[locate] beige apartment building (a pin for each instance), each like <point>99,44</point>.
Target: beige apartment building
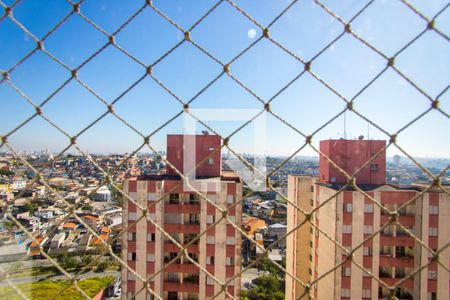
<point>183,215</point>
<point>349,218</point>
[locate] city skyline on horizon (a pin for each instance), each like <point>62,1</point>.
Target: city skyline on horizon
<point>347,65</point>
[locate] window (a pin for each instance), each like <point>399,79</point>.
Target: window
<point>230,199</point>
<point>400,272</point>
<point>366,293</point>
<point>194,219</point>
<point>210,161</point>
<point>345,293</point>
<point>209,280</point>
<point>367,251</point>
<point>365,272</point>
<point>131,276</point>
<point>211,198</point>
<point>133,195</point>
<point>150,237</point>
<point>433,231</point>
<point>191,237</point>
<point>432,296</point>
<point>346,272</point>
<point>232,219</point>
<point>368,229</point>
<point>210,260</point>
<point>434,210</point>
<point>150,296</point>
<point>131,236</point>
<point>132,256</point>
<point>348,249</point>
<point>210,239</point>
<point>231,240</point>
<point>230,261</point>
<point>192,297</point>
<point>368,208</point>
<point>193,199</point>
<point>386,251</point>
<point>174,198</point>
<point>210,219</point>
<point>348,207</point>
<point>374,167</point>
<point>151,196</point>
<point>432,275</point>
<point>152,216</point>
<point>132,216</point>
<point>346,228</point>
<point>193,256</point>
<point>150,257</point>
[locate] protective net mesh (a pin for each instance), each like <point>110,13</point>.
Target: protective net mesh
<point>183,105</point>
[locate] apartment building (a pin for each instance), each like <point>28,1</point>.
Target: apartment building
<point>183,215</point>
<point>349,218</point>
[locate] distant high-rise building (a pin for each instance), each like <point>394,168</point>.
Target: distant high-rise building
<point>183,214</point>
<point>349,218</point>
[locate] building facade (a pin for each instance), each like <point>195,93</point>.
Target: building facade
<point>350,218</point>
<point>183,215</point>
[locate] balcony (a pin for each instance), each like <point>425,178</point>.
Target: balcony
<point>408,283</point>
<point>189,239</point>
<point>405,241</point>
<point>404,220</point>
<point>183,268</point>
<point>171,247</point>
<point>191,279</point>
<point>167,259</point>
<point>182,208</point>
<point>186,287</point>
<point>384,274</point>
<point>182,228</point>
<point>389,261</point>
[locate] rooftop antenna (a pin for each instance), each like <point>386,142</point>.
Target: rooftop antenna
<point>205,132</point>
<point>345,126</point>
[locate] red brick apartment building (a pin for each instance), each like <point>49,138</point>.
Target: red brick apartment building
<point>350,217</point>
<point>183,215</point>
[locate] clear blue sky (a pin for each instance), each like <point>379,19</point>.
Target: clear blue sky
<point>305,29</point>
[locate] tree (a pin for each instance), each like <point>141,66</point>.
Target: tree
<point>101,267</point>
<point>6,172</point>
<point>86,259</point>
<point>8,225</point>
<point>87,207</point>
<point>267,265</point>
<point>117,195</point>
<point>67,262</point>
<point>31,207</point>
<point>266,287</point>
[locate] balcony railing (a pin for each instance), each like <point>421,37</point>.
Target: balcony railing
<point>191,279</point>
